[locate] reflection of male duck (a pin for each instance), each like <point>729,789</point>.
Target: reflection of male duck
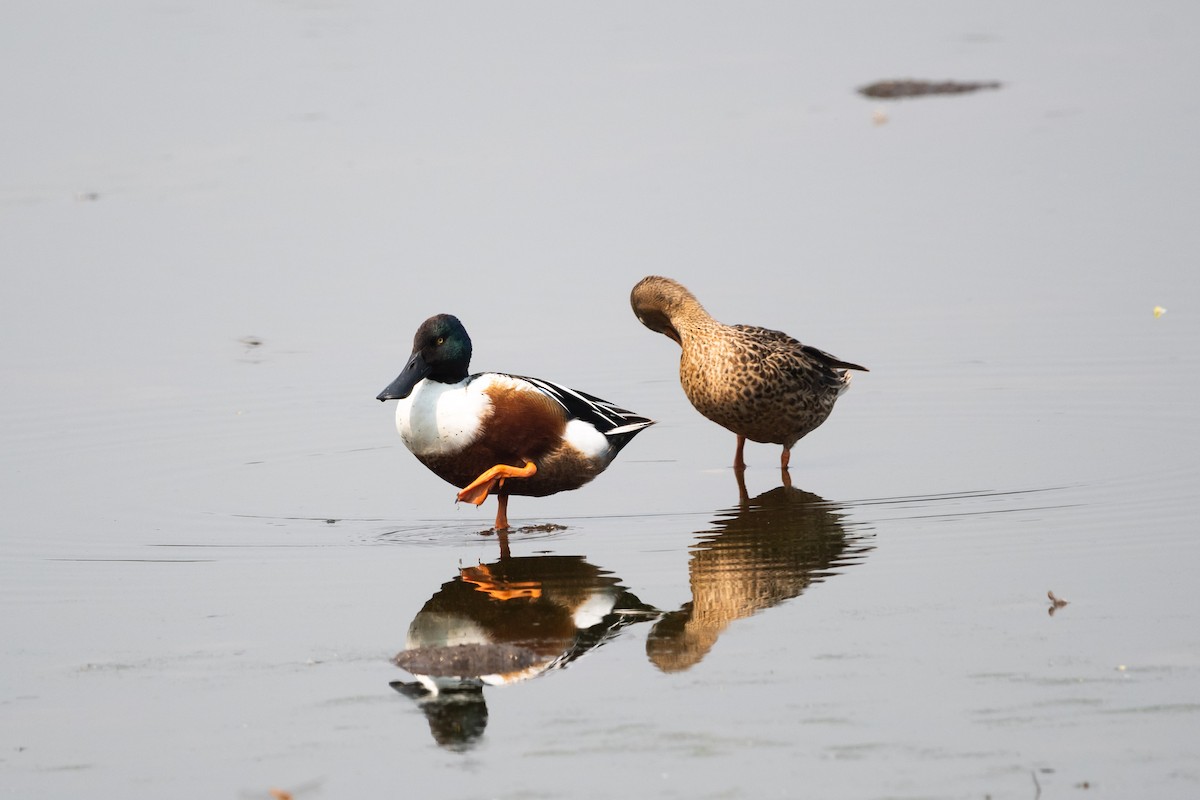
<point>762,552</point>
<point>505,622</point>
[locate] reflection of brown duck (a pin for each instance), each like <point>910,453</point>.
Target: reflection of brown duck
<point>504,622</point>
<point>762,552</point>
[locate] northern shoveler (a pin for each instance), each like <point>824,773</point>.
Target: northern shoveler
<point>761,384</point>
<point>492,432</point>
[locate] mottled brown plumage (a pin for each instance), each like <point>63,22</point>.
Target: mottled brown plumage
<point>761,384</point>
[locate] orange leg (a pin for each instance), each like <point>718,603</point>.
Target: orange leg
<point>739,462</point>
<point>502,512</point>
<point>477,491</point>
<point>785,458</point>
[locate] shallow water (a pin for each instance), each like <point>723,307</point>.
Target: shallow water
<point>221,224</point>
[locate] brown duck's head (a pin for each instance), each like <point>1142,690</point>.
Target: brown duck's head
<point>662,304</point>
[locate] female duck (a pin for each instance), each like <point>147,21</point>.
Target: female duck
<point>492,432</point>
<point>761,384</point>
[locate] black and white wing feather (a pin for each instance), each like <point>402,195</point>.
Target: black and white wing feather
<point>613,421</point>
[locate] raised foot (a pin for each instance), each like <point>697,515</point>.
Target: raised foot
<point>498,587</point>
<point>477,491</point>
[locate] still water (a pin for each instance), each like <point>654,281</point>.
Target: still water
<point>222,574</point>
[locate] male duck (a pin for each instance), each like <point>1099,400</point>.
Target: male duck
<point>761,384</point>
<point>492,432</point>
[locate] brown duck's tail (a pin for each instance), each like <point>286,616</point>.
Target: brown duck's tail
<point>829,360</point>
<point>846,378</point>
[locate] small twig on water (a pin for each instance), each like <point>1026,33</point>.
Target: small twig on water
<point>1055,603</point>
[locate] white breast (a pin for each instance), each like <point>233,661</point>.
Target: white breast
<point>442,418</point>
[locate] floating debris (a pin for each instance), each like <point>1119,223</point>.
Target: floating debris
<point>294,793</point>
<point>892,90</point>
<point>879,116</point>
<point>1055,602</point>
<point>1159,311</point>
<point>251,341</point>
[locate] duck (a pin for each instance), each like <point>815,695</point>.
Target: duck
<point>492,432</point>
<point>758,383</point>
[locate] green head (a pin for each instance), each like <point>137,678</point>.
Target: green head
<point>441,352</point>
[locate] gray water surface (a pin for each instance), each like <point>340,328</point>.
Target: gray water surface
<point>221,223</point>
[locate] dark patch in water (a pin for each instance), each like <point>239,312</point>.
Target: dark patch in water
<point>892,90</point>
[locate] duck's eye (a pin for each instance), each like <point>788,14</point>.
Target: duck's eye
<point>440,340</point>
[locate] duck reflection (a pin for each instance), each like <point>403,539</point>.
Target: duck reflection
<point>500,623</point>
<point>762,552</point>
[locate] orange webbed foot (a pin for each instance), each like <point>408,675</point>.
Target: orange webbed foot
<point>477,490</point>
